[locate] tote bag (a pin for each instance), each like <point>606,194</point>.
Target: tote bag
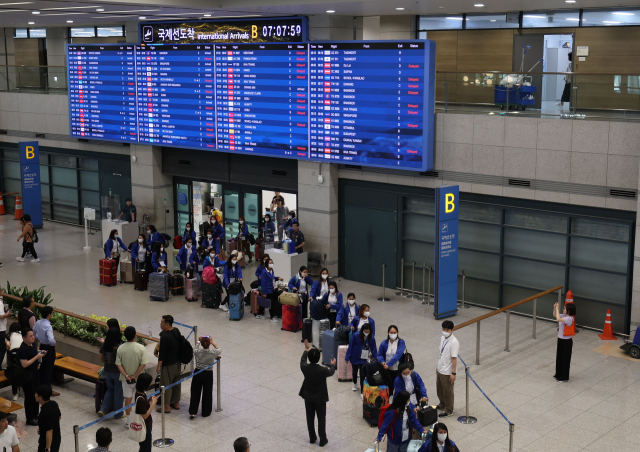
<point>137,427</point>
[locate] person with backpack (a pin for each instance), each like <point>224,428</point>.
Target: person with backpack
<point>159,258</point>
<point>440,441</point>
<point>361,345</point>
<point>202,384</point>
<point>13,343</point>
<point>396,421</point>
<point>411,382</point>
<point>267,279</point>
<point>114,397</point>
<point>389,354</point>
<point>113,247</point>
<point>232,272</point>
<point>29,237</point>
<point>169,360</point>
<point>187,255</point>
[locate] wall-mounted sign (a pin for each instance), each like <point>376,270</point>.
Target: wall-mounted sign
<point>582,51</point>
<point>446,252</point>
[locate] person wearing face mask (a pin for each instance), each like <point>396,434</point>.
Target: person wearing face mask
<point>348,311</point>
<point>446,372</point>
<point>232,272</point>
<point>267,279</point>
<point>440,441</point>
<point>199,260</point>
<point>209,242</point>
<point>361,319</point>
<point>268,229</point>
<point>159,259</point>
<point>264,263</point>
<point>243,235</point>
<point>301,284</point>
<point>187,255</point>
<point>321,286</point>
<point>281,213</point>
<point>411,382</point>
<point>212,258</point>
<point>114,247</point>
<point>399,418</point>
<point>217,232</point>
<point>332,302</point>
<point>153,237</point>
<point>389,354</point>
<point>140,253</point>
<point>188,233</point>
<point>288,226</point>
<point>360,346</point>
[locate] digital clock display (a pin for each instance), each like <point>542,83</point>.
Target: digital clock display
<point>282,30</point>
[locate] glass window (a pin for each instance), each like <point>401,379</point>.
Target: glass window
<point>20,33</point>
<point>600,18</point>
<point>418,204</point>
<point>420,227</point>
<point>598,286</point>
<point>535,244</point>
<point>600,228</point>
<point>479,265</point>
<point>110,31</point>
<point>67,161</point>
<point>11,154</point>
<point>46,210</point>
<point>86,32</point>
<point>544,306</point>
<point>91,199</point>
<point>37,32</point>
<point>480,292</point>
<point>68,214</point>
<point>536,220</point>
<point>420,253</point>
<point>64,195</point>
<point>90,164</point>
<point>542,19</point>
<point>64,176</point>
<point>11,170</point>
<point>89,180</point>
<point>490,21</point>
<point>612,256</point>
<point>44,158</point>
<point>480,212</point>
<point>451,22</point>
<point>44,174</point>
<point>44,192</point>
<point>485,237</point>
<point>535,275</point>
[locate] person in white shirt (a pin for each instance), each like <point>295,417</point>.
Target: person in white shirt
<point>446,372</point>
<point>3,328</point>
<point>8,436</point>
<point>566,93</point>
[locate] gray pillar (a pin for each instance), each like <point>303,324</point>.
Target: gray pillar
<point>57,39</point>
<point>397,27</point>
<point>131,31</point>
<point>329,27</point>
<point>635,294</point>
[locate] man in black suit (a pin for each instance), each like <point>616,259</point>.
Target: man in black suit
<point>314,391</point>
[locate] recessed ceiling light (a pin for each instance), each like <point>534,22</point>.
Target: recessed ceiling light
<point>69,21</point>
<point>31,23</point>
<point>609,22</point>
<point>534,17</point>
<point>571,18</point>
<point>99,10</point>
<point>399,9</point>
<point>569,1</point>
<point>142,17</point>
<point>330,11</point>
<point>493,20</point>
<point>623,14</point>
<point>479,5</point>
<point>35,12</point>
<point>207,15</point>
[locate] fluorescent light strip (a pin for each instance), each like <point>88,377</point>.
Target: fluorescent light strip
<point>69,7</point>
<point>14,10</point>
<point>107,16</point>
<point>454,18</point>
<point>571,18</point>
<point>61,14</point>
<point>623,14</point>
<point>179,14</point>
<point>535,17</point>
<point>136,11</point>
<point>18,3</point>
<point>609,22</point>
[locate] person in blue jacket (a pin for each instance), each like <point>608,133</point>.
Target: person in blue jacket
<point>209,242</point>
<point>396,426</point>
<point>264,262</point>
<point>198,261</point>
<point>188,233</point>
<point>159,259</point>
<point>187,255</point>
<point>267,278</point>
<point>411,382</point>
<point>389,354</point>
<point>243,235</point>
<point>321,286</point>
<point>218,233</point>
<point>301,284</point>
<point>362,319</point>
<point>332,302</point>
<point>153,237</point>
<point>114,247</point>
<point>439,441</point>
<point>232,272</point>
<point>141,254</point>
<point>288,225</point>
<point>348,311</point>
<point>268,229</point>
<point>360,346</point>
<point>211,259</point>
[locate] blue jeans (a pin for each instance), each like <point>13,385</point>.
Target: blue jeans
<point>113,399</point>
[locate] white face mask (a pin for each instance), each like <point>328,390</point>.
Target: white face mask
<point>140,240</point>
<point>325,276</point>
<point>442,437</point>
<point>304,276</point>
<point>188,229</point>
<point>266,219</point>
<point>209,236</point>
<point>270,265</point>
<point>161,250</point>
<point>188,245</point>
<point>240,221</point>
<point>332,290</point>
<point>148,232</point>
<point>365,335</point>
<point>446,334</point>
<point>352,302</point>
<point>406,377</point>
<point>234,261</point>
<point>212,256</point>
<point>393,336</point>
<point>366,314</point>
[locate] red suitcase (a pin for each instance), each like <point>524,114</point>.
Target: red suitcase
<point>344,370</point>
<point>108,274</point>
<point>291,318</point>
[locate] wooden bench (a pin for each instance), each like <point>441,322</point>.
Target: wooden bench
<point>4,381</point>
<point>77,368</point>
<point>7,406</point>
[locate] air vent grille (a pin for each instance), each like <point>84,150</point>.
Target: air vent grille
<point>622,193</point>
<point>520,182</point>
<point>280,173</point>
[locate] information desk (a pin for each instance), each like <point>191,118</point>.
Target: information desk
<point>128,231</point>
<point>286,265</point>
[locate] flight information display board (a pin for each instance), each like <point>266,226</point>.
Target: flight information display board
<point>102,92</point>
<point>364,103</point>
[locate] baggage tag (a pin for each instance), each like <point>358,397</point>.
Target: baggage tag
<point>200,267</point>
<point>364,354</point>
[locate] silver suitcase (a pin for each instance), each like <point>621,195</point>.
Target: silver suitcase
<point>317,328</point>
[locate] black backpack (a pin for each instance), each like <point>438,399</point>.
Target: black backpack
<point>235,288</point>
<point>186,350</point>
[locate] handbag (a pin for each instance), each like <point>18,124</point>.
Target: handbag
<point>252,239</point>
<point>137,427</point>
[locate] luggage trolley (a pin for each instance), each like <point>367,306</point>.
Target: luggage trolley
<point>518,87</point>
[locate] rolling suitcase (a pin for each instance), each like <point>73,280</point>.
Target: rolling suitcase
<point>236,306</point>
<point>159,286</point>
<point>254,301</point>
<point>101,391</point>
<point>126,271</point>
<point>211,295</point>
<point>345,371</point>
<point>373,398</point>
<point>318,328</point>
<point>291,318</point>
<point>191,289</point>
<point>329,346</point>
<point>140,277</point>
<point>306,330</point>
<point>177,284</point>
<point>108,276</point>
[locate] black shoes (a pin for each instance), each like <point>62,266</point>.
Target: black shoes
<point>323,442</point>
<point>313,440</point>
<point>33,422</point>
<point>445,414</point>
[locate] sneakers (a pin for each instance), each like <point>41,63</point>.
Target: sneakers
<point>354,388</point>
<point>273,319</point>
<point>258,316</point>
<point>20,259</point>
<point>15,397</point>
<point>224,308</point>
<point>101,413</point>
<point>126,423</point>
<point>35,260</point>
<point>445,414</point>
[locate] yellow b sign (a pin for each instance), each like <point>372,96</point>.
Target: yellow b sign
<point>449,204</point>
<point>254,31</point>
<point>30,152</point>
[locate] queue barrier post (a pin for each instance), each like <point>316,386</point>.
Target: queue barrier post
<point>423,295</point>
<point>401,288</point>
<point>428,297</point>
<point>535,306</point>
<point>464,276</point>
<point>195,336</point>
<point>506,349</point>
<point>512,428</point>
<point>218,393</point>
<point>467,419</point>
<point>163,442</point>
<point>478,343</point>
<point>413,295</point>
<point>383,298</point>
<point>76,434</point>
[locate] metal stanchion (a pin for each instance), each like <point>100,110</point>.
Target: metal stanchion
<point>467,419</point>
<point>423,295</point>
<point>535,302</point>
<point>512,428</point>
<point>76,432</point>
<point>464,275</point>
<point>162,442</point>
<point>428,297</point>
<point>401,278</point>
<point>413,295</point>
<point>383,298</point>
<point>478,344</point>
<point>219,402</point>
<point>195,335</point>
<point>507,335</point>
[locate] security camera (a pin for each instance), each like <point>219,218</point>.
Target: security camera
<point>134,158</point>
<point>320,179</point>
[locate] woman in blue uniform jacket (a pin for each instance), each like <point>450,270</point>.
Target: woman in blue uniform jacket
<point>295,284</point>
<point>264,263</point>
<point>212,259</point>
<point>268,229</point>
<point>244,234</point>
<point>345,311</point>
<point>218,234</point>
<point>114,242</point>
<point>362,319</point>
<point>393,423</point>
<point>390,363</point>
<point>153,236</point>
<point>321,286</point>
<point>159,257</point>
<point>361,342</point>
<point>440,438</point>
<point>188,233</point>
<point>407,376</point>
<point>332,301</point>
<point>266,284</point>
<point>138,245</point>
<point>187,255</point>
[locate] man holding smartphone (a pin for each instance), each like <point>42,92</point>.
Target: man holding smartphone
<point>44,334</point>
<point>29,356</point>
<point>131,359</point>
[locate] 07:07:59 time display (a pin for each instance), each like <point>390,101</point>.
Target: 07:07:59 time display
<point>281,30</point>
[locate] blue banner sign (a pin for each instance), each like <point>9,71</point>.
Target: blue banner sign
<point>30,175</point>
<point>446,252</point>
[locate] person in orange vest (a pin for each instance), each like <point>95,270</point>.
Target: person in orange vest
<point>566,331</point>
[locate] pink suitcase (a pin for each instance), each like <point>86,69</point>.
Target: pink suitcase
<point>345,372</point>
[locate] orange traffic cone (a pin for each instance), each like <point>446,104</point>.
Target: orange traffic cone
<point>607,333</point>
<point>2,211</point>
<point>19,212</point>
<point>569,297</point>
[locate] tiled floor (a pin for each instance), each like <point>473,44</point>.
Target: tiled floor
<point>598,410</point>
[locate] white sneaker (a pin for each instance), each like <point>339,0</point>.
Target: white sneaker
<point>224,308</point>
<point>126,424</point>
<point>15,397</point>
<point>20,259</point>
<point>354,388</point>
<point>258,316</point>
<point>274,320</point>
<point>362,397</point>
<point>35,260</point>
